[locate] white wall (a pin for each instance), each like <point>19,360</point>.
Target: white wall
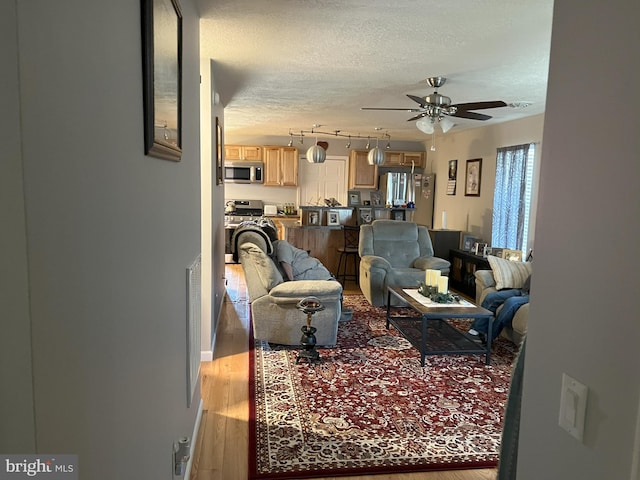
<point>212,201</point>
<point>17,433</point>
<point>584,303</point>
<point>109,234</point>
<point>473,214</point>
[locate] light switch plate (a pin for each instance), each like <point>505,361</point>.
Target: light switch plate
<point>573,406</point>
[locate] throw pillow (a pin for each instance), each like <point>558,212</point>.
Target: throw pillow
<point>507,273</point>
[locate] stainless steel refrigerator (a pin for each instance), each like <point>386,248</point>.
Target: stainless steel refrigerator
<point>401,188</point>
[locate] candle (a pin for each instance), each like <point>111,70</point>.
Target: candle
<point>435,277</point>
<point>429,277</point>
<point>444,220</point>
<point>443,285</point>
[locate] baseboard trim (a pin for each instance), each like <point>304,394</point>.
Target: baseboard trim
<point>206,355</point>
<point>194,440</point>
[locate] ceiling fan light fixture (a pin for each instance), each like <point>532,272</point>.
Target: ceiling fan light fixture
<point>316,154</point>
<point>426,125</point>
<point>446,124</point>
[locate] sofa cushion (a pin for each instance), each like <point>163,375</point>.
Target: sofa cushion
<point>265,268</point>
<point>509,274</point>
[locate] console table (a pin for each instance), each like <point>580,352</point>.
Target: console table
<point>463,266</point>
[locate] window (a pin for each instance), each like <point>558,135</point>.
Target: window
<point>512,196</point>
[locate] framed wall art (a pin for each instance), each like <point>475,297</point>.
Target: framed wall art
<point>219,151</point>
<point>473,177</point>
<point>162,78</point>
<point>453,177</point>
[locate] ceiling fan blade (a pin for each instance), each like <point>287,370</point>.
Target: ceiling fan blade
<point>423,114</point>
<point>479,105</point>
<point>400,109</point>
<point>470,115</point>
<point>418,100</point>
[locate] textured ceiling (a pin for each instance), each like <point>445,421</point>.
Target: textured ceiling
<point>290,64</point>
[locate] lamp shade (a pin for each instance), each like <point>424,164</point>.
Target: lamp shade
<point>316,154</point>
<point>425,124</point>
<point>446,124</point>
<point>375,156</point>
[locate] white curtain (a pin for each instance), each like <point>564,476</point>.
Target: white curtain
<point>510,196</point>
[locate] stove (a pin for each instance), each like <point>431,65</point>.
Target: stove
<point>236,212</point>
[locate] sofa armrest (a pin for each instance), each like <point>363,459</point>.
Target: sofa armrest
<point>485,283</point>
<point>298,289</point>
<point>485,278</point>
<point>373,261</point>
<point>431,263</point>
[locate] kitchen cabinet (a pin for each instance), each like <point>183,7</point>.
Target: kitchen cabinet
<point>243,152</point>
<point>361,174</point>
<point>281,166</point>
<point>403,159</point>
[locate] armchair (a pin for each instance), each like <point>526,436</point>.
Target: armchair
<point>394,253</point>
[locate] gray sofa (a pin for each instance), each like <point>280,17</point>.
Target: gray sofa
<point>394,253</point>
<point>485,283</point>
<point>274,314</point>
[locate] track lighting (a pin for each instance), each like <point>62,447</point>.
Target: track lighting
<point>318,152</point>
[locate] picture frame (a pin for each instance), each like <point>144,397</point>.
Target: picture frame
<point>312,218</point>
<point>333,217</point>
<point>513,255</point>
<point>219,153</point>
<point>453,177</point>
<point>376,198</point>
<point>162,78</point>
<point>496,252</point>
<point>354,198</point>
<point>364,216</point>
<point>468,242</point>
<point>473,178</point>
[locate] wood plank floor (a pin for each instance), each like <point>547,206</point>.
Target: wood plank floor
<point>221,451</point>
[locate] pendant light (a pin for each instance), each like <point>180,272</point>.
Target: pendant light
<point>375,155</point>
<point>316,154</point>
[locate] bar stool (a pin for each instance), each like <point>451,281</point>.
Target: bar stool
<point>348,250</point>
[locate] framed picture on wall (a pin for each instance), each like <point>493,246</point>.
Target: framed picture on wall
<point>219,151</point>
<point>473,177</point>
<point>161,77</point>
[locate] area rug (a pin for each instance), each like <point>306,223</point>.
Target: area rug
<point>369,407</point>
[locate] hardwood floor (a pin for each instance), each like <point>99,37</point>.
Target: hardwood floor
<point>221,451</point>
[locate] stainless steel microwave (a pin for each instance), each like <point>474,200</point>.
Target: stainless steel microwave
<point>244,172</point>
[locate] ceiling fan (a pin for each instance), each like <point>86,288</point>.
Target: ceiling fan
<point>435,106</point>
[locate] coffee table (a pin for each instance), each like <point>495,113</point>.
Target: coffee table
<point>436,336</point>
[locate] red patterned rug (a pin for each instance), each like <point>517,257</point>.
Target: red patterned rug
<point>369,407</point>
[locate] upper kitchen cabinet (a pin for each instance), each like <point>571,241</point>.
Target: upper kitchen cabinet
<point>403,159</point>
<point>281,166</point>
<point>243,152</point>
<point>361,174</point>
